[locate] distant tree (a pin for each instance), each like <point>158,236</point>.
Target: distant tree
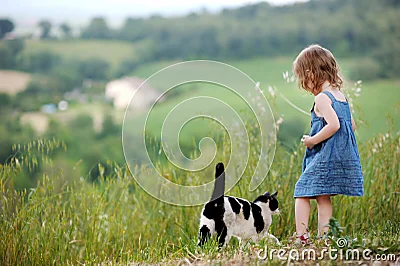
<point>43,62</point>
<point>9,50</point>
<point>6,26</point>
<point>134,29</point>
<point>5,101</point>
<point>15,45</point>
<point>83,123</point>
<point>109,127</point>
<point>388,56</point>
<point>45,27</point>
<point>365,69</point>
<point>126,67</point>
<point>34,87</point>
<point>395,3</point>
<point>6,58</point>
<point>97,29</point>
<point>94,68</point>
<point>67,77</point>
<point>66,29</point>
<point>235,46</point>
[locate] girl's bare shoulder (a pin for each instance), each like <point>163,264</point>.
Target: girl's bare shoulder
<point>322,99</point>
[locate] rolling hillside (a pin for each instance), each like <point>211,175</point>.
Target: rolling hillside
<point>111,51</point>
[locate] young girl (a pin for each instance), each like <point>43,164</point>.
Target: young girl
<point>331,163</point>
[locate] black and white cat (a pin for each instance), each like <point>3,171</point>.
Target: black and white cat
<point>230,216</point>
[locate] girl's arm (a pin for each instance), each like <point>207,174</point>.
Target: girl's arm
<point>323,104</point>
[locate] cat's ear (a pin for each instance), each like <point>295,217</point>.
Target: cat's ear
<point>275,194</point>
<point>266,194</point>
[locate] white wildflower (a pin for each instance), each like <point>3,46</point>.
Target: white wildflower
<point>279,121</point>
<point>271,91</point>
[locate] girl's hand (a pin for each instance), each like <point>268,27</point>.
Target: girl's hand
<point>308,141</point>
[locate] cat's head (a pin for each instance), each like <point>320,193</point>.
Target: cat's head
<point>270,201</point>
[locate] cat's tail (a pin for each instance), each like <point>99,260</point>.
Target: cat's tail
<point>219,185</point>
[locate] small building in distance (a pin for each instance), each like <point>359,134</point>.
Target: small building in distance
<point>121,91</point>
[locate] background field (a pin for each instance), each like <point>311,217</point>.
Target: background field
<point>111,51</point>
<point>378,98</point>
<point>66,193</point>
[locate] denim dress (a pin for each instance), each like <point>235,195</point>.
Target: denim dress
<point>332,166</point>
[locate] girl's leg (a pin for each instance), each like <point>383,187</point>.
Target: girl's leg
<point>302,212</point>
<point>324,213</point>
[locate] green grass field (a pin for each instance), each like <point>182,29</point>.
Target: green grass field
<point>114,221</point>
<point>111,51</point>
<point>378,98</point>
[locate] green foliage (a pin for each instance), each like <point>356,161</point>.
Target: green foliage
<point>45,27</point>
<point>42,62</point>
<point>388,56</point>
<point>109,127</point>
<point>6,26</point>
<point>40,90</point>
<point>9,52</point>
<point>97,29</point>
<point>66,29</point>
<point>268,31</point>
<point>94,68</point>
<point>12,132</point>
<point>127,67</point>
<point>335,230</point>
<point>7,59</point>
<point>67,75</point>
<point>112,51</point>
<point>366,69</point>
<point>15,45</point>
<point>83,123</point>
<point>5,101</point>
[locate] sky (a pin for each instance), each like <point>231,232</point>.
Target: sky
<point>76,12</point>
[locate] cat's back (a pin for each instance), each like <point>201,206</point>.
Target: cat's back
<point>243,227</point>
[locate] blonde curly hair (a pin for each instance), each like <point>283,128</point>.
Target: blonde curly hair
<point>315,65</point>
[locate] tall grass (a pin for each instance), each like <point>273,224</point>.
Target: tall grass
<point>115,221</point>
